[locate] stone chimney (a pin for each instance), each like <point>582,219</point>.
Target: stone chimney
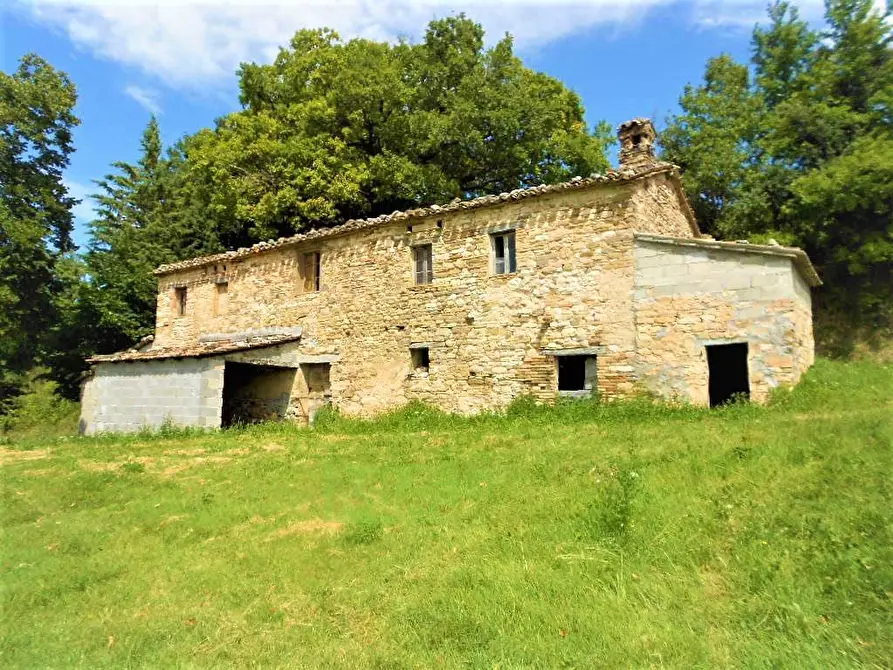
<point>636,144</point>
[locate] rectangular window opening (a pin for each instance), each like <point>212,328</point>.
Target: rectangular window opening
<point>727,371</point>
<point>423,256</point>
<point>504,253</point>
<point>577,374</point>
<point>421,359</point>
<point>180,300</point>
<point>310,271</point>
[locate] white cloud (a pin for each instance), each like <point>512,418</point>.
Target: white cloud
<point>146,97</point>
<point>200,43</point>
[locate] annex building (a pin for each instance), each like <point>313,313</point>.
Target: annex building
<point>599,285</point>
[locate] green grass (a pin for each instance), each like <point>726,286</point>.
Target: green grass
<point>580,536</point>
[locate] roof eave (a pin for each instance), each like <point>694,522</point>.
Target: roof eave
<point>608,179</point>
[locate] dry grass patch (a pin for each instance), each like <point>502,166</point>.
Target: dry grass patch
<point>8,456</point>
<point>309,527</point>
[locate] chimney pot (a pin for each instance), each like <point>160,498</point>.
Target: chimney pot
<point>637,139</point>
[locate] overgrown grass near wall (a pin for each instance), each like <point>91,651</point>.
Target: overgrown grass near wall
<point>580,536</point>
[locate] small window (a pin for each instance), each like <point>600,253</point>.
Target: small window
<point>180,300</point>
<point>221,295</point>
<point>423,256</point>
<point>577,374</point>
<point>504,253</point>
<point>420,359</point>
<point>310,267</point>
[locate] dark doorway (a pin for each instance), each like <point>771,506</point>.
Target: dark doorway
<point>255,393</point>
<point>727,365</point>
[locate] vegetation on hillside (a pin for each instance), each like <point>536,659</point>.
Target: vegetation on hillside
<point>36,122</point>
<point>581,536</point>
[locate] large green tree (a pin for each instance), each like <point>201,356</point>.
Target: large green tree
<point>800,147</point>
<point>332,130</point>
<point>36,122</point>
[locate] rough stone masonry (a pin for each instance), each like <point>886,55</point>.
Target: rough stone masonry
<point>600,285</point>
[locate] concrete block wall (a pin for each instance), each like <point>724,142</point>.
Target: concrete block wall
<point>125,397</point>
<point>686,298</point>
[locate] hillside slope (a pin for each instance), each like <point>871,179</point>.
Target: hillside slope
<point>623,535</point>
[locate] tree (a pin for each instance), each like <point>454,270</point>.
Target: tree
<point>813,164</point>
<point>333,130</point>
<point>713,141</point>
<point>37,119</point>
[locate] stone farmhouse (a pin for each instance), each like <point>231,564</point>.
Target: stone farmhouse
<point>602,285</point>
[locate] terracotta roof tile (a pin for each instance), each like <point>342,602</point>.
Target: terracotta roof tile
<point>200,350</point>
<point>612,176</point>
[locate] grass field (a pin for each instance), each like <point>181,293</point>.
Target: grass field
<point>580,536</point>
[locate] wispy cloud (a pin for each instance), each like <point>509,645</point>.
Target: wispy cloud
<point>146,97</point>
<point>200,43</point>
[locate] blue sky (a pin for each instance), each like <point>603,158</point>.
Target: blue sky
<point>626,58</point>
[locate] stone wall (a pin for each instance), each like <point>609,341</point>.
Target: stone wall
<point>589,282</point>
<point>687,298</point>
<point>488,335</point>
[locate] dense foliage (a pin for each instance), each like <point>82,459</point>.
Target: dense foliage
<point>333,130</point>
<point>799,147</point>
<point>36,122</point>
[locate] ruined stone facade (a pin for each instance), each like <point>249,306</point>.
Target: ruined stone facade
<point>602,284</point>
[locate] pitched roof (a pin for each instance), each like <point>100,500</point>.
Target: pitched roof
<point>801,260</point>
<point>199,350</point>
<point>611,177</point>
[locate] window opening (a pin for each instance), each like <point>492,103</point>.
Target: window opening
<point>310,271</point>
<point>421,359</point>
<point>504,253</point>
<point>577,373</point>
<point>424,266</point>
<point>180,300</point>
